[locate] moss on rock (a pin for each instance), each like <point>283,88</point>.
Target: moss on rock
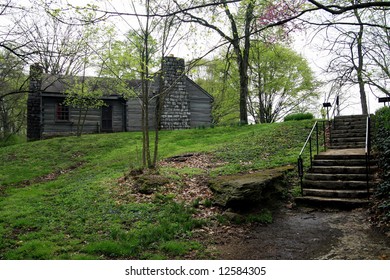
<point>150,183</point>
<point>243,191</point>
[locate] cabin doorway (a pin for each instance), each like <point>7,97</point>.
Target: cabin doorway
<point>107,118</point>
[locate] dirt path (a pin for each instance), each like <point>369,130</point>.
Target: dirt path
<point>301,233</point>
<point>305,233</point>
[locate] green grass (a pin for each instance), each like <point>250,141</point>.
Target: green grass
<point>57,198</point>
<point>264,217</point>
<point>179,248</point>
<point>299,117</point>
<point>12,140</point>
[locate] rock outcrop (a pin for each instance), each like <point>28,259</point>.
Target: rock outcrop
<point>244,191</point>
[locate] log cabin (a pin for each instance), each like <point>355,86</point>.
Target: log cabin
<point>182,104</point>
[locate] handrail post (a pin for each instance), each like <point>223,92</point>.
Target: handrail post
<point>300,160</point>
<point>318,148</point>
<point>330,126</point>
<point>367,176</point>
<point>324,131</point>
<point>300,172</point>
<point>311,153</point>
<point>367,150</point>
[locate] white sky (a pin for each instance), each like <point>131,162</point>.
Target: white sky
<point>316,58</point>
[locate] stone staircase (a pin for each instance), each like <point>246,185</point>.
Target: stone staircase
<point>338,177</point>
<point>348,132</point>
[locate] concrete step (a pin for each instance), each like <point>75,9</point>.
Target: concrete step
<point>346,133</point>
<point>344,203</point>
<point>337,177</point>
<point>341,162</point>
<point>341,155</point>
<point>350,131</point>
<point>340,169</point>
<point>343,139</point>
<point>337,193</point>
<point>336,185</point>
<point>358,126</point>
<point>345,126</point>
<point>342,146</point>
<point>350,118</point>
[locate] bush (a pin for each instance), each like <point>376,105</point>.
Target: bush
<point>382,145</point>
<point>382,140</point>
<point>299,117</point>
<point>382,119</point>
<point>12,140</point>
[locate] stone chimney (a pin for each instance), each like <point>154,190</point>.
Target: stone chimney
<point>175,112</point>
<point>34,110</point>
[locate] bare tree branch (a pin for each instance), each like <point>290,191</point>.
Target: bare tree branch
<point>338,10</point>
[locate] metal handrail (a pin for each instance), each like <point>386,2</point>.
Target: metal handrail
<point>367,147</point>
<point>335,108</point>
<point>308,141</point>
<point>331,120</point>
<point>368,151</point>
<point>308,137</point>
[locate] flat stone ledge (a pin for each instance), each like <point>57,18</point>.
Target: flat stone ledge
<point>359,151</point>
<point>243,191</point>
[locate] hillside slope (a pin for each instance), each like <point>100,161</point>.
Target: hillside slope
<point>58,200</point>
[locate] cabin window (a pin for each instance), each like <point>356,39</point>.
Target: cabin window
<point>62,112</point>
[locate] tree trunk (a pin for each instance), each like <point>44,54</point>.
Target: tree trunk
<point>261,98</point>
<point>79,122</point>
<point>359,68</point>
<point>4,125</point>
<point>143,128</point>
<point>242,55</point>
<point>83,123</point>
<point>145,93</point>
<point>243,69</point>
<point>159,105</point>
<point>145,117</point>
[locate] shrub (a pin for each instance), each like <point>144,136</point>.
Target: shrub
<point>299,117</point>
<point>12,140</point>
<point>382,119</point>
<point>382,145</point>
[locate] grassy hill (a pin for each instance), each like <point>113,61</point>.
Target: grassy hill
<point>58,197</point>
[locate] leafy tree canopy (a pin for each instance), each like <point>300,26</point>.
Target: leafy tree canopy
<point>281,82</point>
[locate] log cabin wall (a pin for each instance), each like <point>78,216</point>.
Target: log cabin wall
<point>200,105</point>
<point>95,121</point>
<point>184,105</point>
